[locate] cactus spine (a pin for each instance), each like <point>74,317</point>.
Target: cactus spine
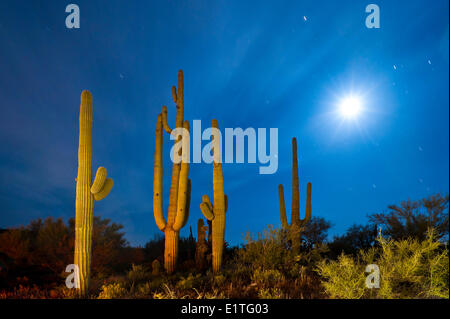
<point>86,193</point>
<point>296,223</point>
<point>216,212</point>
<point>180,187</point>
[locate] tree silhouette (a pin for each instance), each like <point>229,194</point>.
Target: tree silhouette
<point>413,218</point>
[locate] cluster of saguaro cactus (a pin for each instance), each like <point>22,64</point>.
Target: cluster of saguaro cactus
<point>180,187</point>
<point>296,223</point>
<point>179,198</point>
<point>87,192</point>
<point>216,212</point>
<point>201,248</point>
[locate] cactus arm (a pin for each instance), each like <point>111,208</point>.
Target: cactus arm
<point>174,94</point>
<point>109,183</point>
<point>295,218</point>
<point>188,202</point>
<point>283,217</point>
<point>308,205</point>
<point>179,99</point>
<point>99,181</point>
<point>176,167</point>
<point>207,208</point>
<point>183,181</point>
<point>164,120</point>
<point>158,178</point>
<point>207,212</point>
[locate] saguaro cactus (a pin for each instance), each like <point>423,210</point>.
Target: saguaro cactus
<point>87,192</point>
<point>156,267</point>
<point>201,246</point>
<point>180,187</point>
<point>216,212</point>
<point>296,223</point>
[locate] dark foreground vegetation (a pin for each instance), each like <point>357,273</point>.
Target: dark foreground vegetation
<point>411,252</point>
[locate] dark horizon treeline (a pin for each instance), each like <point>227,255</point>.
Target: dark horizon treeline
<point>39,253</point>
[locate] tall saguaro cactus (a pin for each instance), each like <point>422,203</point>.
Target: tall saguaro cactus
<point>180,187</point>
<point>87,193</point>
<point>296,223</point>
<point>216,212</point>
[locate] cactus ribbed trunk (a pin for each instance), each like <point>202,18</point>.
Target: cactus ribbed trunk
<point>84,204</point>
<point>86,193</point>
<point>295,185</point>
<point>218,242</point>
<point>171,250</point>
<point>216,212</point>
<point>218,223</point>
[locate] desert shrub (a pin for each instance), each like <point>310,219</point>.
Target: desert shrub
<point>270,250</point>
<point>271,293</point>
<point>219,280</point>
<point>143,290</point>
<point>357,237</point>
<point>267,250</point>
<point>147,288</point>
<point>269,277</point>
<point>168,292</point>
<point>409,268</point>
<point>315,232</point>
<point>267,261</point>
<point>113,291</point>
<point>138,274</point>
<point>189,282</point>
<point>210,294</point>
<point>345,278</point>
<point>48,246</point>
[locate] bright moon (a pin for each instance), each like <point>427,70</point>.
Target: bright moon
<point>350,107</point>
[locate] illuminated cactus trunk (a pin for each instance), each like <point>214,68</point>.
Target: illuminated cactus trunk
<point>180,187</point>
<point>216,212</point>
<point>86,193</point>
<point>296,223</point>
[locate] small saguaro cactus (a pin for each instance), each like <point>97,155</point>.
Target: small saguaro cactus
<point>201,246</point>
<point>216,212</point>
<point>87,192</point>
<point>180,187</point>
<point>156,266</point>
<point>296,223</point>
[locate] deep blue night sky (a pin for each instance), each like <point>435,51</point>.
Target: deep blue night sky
<point>281,64</point>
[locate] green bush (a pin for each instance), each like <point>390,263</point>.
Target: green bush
<point>268,250</point>
<point>344,278</point>
<point>267,278</point>
<point>271,293</point>
<point>409,268</point>
<point>113,291</point>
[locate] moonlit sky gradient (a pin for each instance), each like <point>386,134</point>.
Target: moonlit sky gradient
<point>282,64</point>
